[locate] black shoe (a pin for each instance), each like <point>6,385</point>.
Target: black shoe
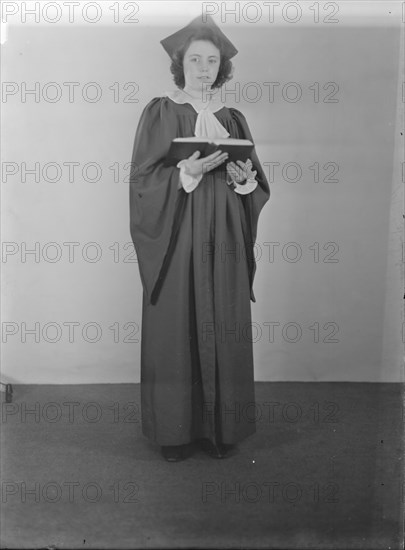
<point>173,453</point>
<point>219,450</point>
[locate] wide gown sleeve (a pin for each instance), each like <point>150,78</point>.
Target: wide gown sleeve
<point>252,203</point>
<point>156,198</point>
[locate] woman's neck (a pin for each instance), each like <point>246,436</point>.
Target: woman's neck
<point>205,94</point>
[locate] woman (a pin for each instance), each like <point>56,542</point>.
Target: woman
<point>194,226</point>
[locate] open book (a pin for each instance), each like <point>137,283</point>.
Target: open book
<point>182,148</point>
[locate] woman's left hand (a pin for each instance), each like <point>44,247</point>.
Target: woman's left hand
<point>241,171</point>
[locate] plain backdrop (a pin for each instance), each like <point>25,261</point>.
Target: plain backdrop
<point>328,283</point>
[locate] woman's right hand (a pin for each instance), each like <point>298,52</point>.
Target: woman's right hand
<point>195,166</point>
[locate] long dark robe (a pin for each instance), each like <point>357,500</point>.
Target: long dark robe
<point>196,262</point>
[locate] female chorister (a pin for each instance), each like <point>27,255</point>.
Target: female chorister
<point>194,227</point>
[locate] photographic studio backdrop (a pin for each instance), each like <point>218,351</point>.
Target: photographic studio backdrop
<point>324,102</point>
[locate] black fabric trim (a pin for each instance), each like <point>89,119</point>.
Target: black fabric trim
<point>178,218</point>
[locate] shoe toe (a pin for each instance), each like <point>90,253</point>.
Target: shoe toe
<point>173,453</point>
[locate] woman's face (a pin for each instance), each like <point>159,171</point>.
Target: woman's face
<point>201,65</point>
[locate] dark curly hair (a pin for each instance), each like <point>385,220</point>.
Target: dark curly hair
<point>225,70</point>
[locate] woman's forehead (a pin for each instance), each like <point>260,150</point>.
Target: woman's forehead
<point>199,47</point>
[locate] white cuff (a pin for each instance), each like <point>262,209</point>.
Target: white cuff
<point>245,189</point>
<point>187,181</point>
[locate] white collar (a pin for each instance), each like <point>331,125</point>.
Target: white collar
<point>206,125</point>
<point>180,96</point>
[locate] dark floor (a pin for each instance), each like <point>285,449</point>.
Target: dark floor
<point>324,470</point>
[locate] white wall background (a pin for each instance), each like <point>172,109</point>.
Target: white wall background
<point>359,295</point>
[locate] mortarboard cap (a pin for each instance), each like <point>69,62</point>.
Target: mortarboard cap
<point>177,40</point>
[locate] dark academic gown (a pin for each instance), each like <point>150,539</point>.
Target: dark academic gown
<point>196,262</point>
